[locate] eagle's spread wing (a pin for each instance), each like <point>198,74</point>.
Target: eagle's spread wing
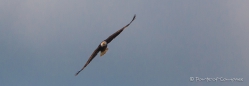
<point>110,38</point>
<point>90,59</point>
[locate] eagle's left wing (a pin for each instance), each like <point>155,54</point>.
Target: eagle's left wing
<point>110,38</point>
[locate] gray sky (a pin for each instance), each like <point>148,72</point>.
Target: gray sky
<point>44,43</point>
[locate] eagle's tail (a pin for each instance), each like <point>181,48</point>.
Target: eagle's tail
<point>103,52</point>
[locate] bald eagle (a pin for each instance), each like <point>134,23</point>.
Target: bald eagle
<point>103,45</point>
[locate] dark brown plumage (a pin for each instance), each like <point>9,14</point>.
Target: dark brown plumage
<point>103,45</point>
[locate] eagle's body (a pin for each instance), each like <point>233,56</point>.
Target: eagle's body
<point>103,45</point>
<point>103,48</point>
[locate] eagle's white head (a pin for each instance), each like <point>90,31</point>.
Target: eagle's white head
<point>102,44</point>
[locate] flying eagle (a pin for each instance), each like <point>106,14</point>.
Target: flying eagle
<point>103,45</point>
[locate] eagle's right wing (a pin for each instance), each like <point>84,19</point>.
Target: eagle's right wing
<point>90,59</point>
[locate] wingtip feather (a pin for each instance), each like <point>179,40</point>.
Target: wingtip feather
<point>134,17</point>
<point>77,73</point>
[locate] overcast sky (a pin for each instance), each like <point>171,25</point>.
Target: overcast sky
<point>45,42</point>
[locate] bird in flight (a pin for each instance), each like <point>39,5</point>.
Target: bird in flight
<point>103,46</point>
